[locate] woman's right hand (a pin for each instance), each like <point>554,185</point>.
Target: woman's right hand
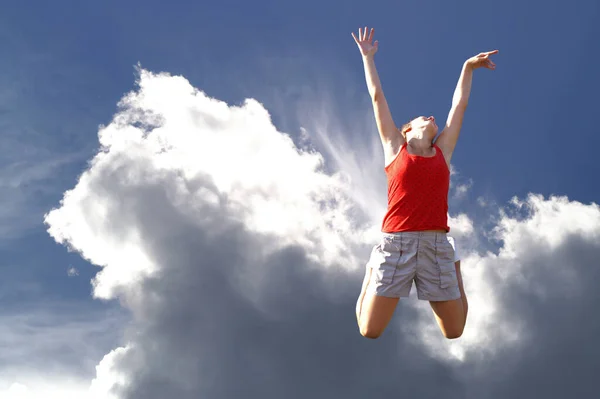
<point>365,43</point>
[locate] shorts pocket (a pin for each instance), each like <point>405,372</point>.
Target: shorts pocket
<point>448,277</point>
<point>384,260</point>
<point>444,258</point>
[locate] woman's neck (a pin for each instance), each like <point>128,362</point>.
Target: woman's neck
<point>420,146</point>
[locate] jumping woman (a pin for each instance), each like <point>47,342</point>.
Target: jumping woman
<point>415,245</point>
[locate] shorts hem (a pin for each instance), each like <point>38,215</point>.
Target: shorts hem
<point>438,299</point>
<point>389,295</point>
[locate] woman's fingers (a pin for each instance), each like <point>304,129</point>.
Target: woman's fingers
<point>487,54</point>
<point>483,60</point>
<point>363,36</point>
<point>371,35</point>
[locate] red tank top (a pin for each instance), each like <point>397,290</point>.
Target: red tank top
<point>417,192</point>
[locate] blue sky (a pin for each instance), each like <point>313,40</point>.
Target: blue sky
<point>65,65</point>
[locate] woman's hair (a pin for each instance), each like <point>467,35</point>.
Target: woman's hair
<point>405,128</point>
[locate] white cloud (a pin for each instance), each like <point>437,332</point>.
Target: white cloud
<point>200,154</point>
<point>460,191</point>
<point>108,378</point>
<point>228,243</point>
<point>549,223</point>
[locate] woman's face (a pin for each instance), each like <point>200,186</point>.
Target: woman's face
<point>425,124</point>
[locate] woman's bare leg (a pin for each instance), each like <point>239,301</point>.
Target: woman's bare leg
<point>373,312</point>
<point>451,316</point>
<point>463,296</point>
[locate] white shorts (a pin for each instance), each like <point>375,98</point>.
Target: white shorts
<point>427,258</point>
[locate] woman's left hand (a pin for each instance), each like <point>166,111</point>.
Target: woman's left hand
<point>482,60</point>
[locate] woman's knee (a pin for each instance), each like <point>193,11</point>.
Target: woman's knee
<point>370,333</point>
<point>454,332</point>
<point>369,329</point>
<point>451,317</point>
<point>454,335</point>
